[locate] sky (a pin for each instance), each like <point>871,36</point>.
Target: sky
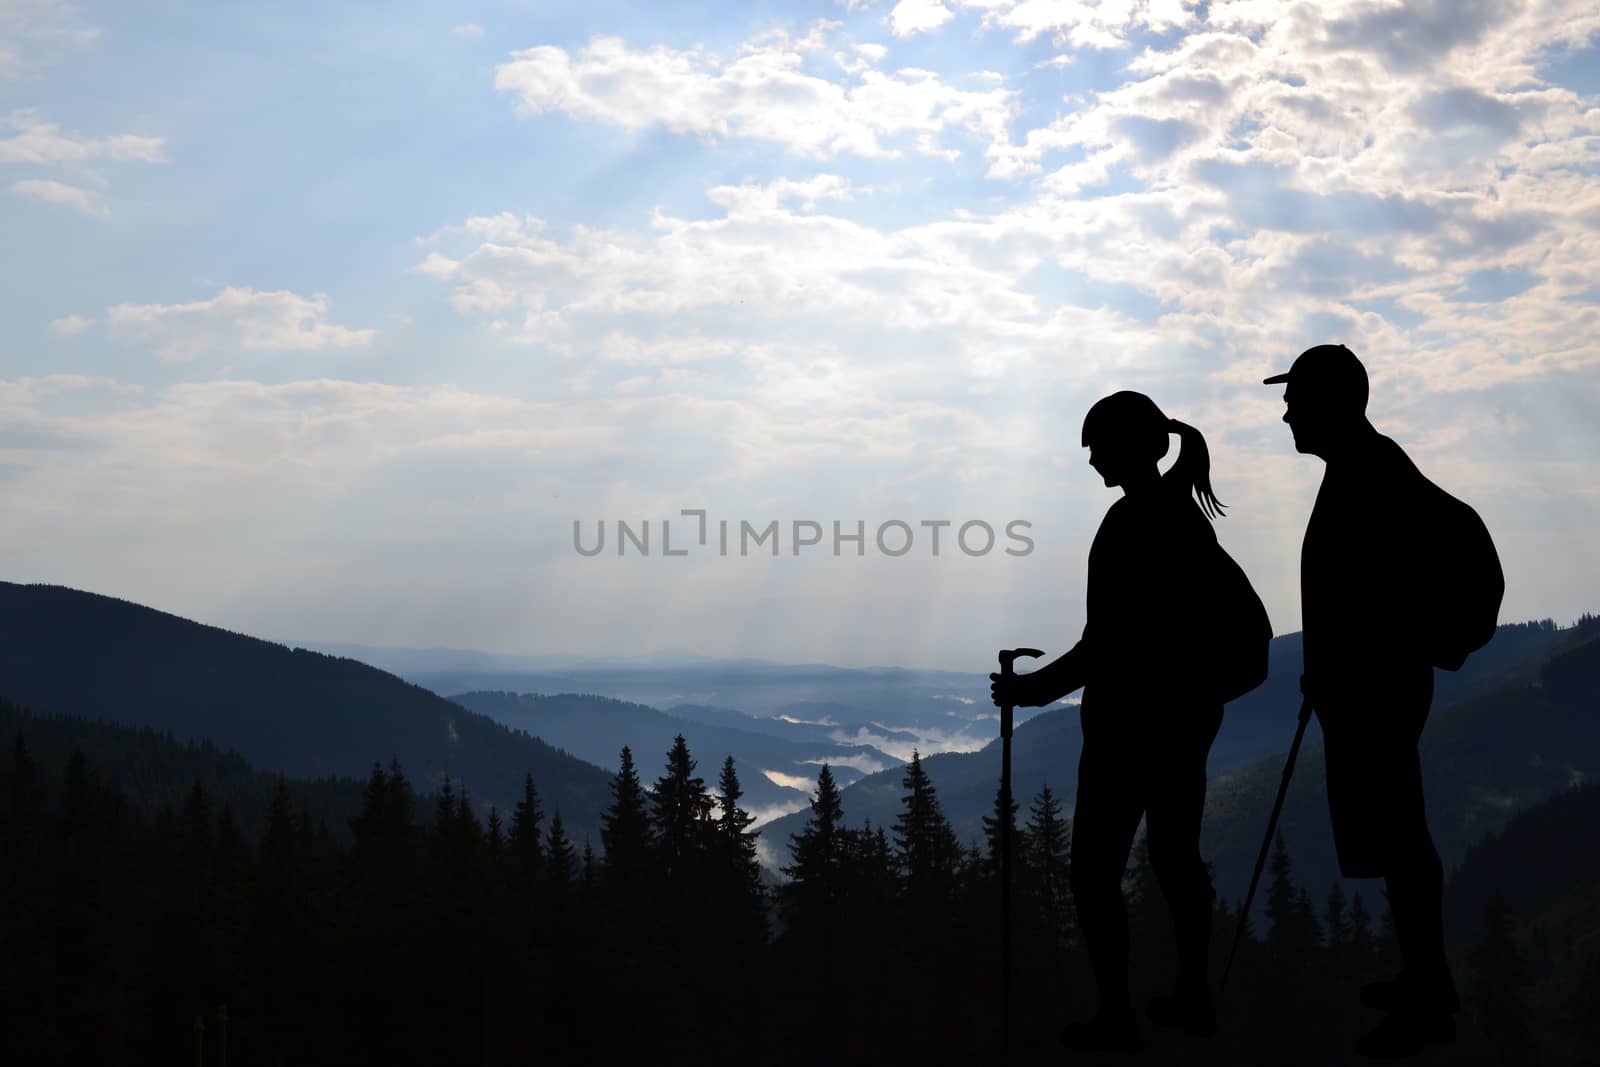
<point>329,322</point>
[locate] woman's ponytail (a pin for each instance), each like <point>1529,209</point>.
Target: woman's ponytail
<point>1192,469</point>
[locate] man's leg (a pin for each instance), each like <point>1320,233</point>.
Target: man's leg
<point>1416,899</point>
<point>1423,1001</point>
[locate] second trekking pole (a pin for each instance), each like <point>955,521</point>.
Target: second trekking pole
<point>1007,659</point>
<point>1266,844</point>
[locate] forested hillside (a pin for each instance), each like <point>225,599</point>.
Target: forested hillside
<point>290,711</point>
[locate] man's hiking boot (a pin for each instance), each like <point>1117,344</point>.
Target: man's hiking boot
<point>1192,1013</point>
<point>1116,1031</point>
<point>1406,1033</point>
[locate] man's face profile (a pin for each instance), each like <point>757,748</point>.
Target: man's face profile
<point>1305,419</point>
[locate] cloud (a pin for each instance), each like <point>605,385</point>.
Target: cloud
<point>1082,25</point>
<point>790,781</point>
<point>765,813</point>
<point>761,93</point>
<point>85,201</point>
<point>1417,33</point>
<point>71,325</point>
<point>863,763</point>
<point>37,33</point>
<point>468,30</point>
<point>918,16</point>
<point>1209,202</point>
<point>235,318</point>
<point>929,740</point>
<point>41,143</point>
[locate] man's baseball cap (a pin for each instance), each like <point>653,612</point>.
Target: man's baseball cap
<point>1333,371</point>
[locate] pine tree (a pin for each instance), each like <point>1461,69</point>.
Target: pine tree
<point>231,867</point>
<point>27,978</point>
<point>811,897</point>
<point>1151,949</point>
<point>1582,1009</point>
<point>1359,937</point>
<point>736,842</point>
<point>1341,977</point>
<point>92,912</point>
<point>382,906</point>
<point>625,833</point>
<point>1293,948</point>
<point>1280,897</point>
<point>1047,855</point>
<point>681,816</point>
<point>495,837</point>
<point>930,859</point>
<point>1305,917</point>
<point>527,850</point>
<point>591,871</point>
<point>468,829</point>
<point>561,868</point>
<point>1499,989</point>
<point>289,924</point>
<point>188,927</point>
<point>992,824</point>
<point>444,812</point>
<point>925,846</point>
<point>1335,920</point>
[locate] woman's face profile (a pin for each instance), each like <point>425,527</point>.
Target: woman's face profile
<point>1123,458</point>
<point>1112,460</point>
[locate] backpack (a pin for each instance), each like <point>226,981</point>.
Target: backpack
<point>1240,632</point>
<point>1462,578</point>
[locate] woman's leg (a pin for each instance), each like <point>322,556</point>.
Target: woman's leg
<point>1177,802</point>
<point>1104,821</point>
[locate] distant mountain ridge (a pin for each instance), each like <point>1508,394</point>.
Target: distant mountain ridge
<point>595,728</point>
<point>301,713</point>
<point>1513,726</point>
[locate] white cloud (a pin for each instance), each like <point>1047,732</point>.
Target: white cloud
<point>790,781</point>
<point>71,325</point>
<point>918,16</point>
<point>1283,173</point>
<point>1082,23</point>
<point>770,259</point>
<point>468,30</point>
<point>42,143</point>
<point>762,93</point>
<point>864,763</point>
<point>36,33</point>
<point>85,201</point>
<point>929,740</point>
<point>235,318</point>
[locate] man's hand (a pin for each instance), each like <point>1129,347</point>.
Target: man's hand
<point>1017,690</point>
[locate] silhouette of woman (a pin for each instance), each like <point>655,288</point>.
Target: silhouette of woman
<point>1149,717</point>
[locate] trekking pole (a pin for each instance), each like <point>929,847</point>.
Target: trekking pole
<point>1266,845</point>
<point>1007,658</point>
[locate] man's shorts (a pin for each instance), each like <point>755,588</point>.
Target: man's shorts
<point>1375,800</point>
<point>1374,773</point>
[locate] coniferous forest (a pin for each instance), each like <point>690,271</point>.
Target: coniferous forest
<point>427,930</point>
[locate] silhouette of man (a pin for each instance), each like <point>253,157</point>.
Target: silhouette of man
<point>1369,676</point>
